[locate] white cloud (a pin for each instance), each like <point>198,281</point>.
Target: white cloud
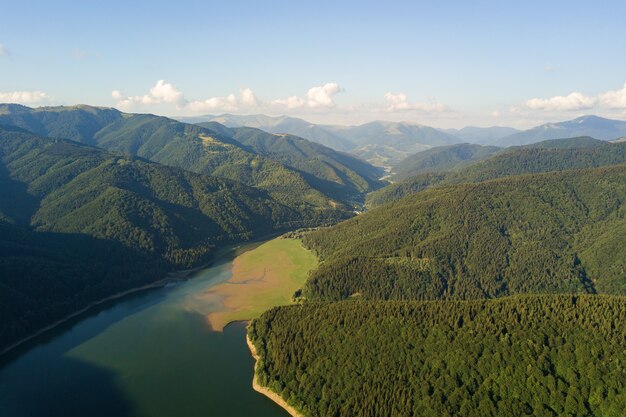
<point>319,97</point>
<point>293,102</point>
<point>573,101</point>
<point>614,99</point>
<point>496,113</point>
<point>24,97</point>
<point>165,92</point>
<point>322,96</point>
<point>228,103</point>
<point>248,98</point>
<point>161,92</point>
<point>399,102</point>
<point>3,51</point>
<point>576,101</point>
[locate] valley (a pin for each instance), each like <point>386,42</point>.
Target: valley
<point>480,248</point>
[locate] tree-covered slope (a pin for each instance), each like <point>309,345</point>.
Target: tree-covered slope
<point>553,155</point>
<point>535,355</point>
<point>553,232</point>
<point>79,223</point>
<point>442,158</point>
<point>45,276</point>
<point>346,173</point>
<point>185,146</point>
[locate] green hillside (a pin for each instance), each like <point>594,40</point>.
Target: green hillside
<point>553,232</point>
<point>82,223</point>
<point>526,355</point>
<point>345,173</point>
<point>185,146</point>
<point>442,158</point>
<point>557,155</point>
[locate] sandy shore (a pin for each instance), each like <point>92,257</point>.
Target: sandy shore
<point>266,391</point>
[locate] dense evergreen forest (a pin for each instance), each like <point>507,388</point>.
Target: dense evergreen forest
<point>553,232</point>
<point>534,355</point>
<point>495,289</point>
<point>552,155</point>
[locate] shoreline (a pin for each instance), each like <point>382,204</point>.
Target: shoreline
<point>170,278</point>
<point>266,391</point>
<point>157,284</point>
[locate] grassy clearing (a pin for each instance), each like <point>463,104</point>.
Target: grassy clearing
<point>264,277</point>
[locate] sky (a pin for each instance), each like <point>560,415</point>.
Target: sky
<point>439,63</point>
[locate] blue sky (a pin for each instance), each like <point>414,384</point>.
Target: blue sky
<point>441,63</point>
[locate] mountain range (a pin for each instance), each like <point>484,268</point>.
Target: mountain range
<point>101,201</point>
<point>385,144</point>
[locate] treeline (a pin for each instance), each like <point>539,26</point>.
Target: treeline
<point>535,355</point>
<point>543,157</point>
<point>554,232</point>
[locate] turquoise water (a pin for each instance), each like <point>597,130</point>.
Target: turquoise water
<point>151,354</point>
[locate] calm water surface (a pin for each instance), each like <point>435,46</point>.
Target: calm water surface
<point>150,354</point>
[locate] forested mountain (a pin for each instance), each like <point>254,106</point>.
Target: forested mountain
<point>129,214</point>
<point>182,145</point>
<point>553,155</point>
<point>553,232</point>
<point>380,143</point>
<point>594,126</point>
<point>280,125</point>
<point>442,158</point>
<point>533,355</point>
<point>348,174</point>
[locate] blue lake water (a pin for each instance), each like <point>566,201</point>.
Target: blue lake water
<point>150,354</point>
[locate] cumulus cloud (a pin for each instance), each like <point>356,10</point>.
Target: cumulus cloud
<point>293,102</point>
<point>228,103</point>
<point>322,96</point>
<point>24,97</point>
<point>161,92</point>
<point>248,98</point>
<point>318,97</point>
<point>610,100</point>
<point>614,99</point>
<point>573,101</point>
<point>164,93</point>
<point>399,102</point>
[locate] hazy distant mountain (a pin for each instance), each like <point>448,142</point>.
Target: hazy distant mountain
<point>387,143</point>
<point>380,143</point>
<point>594,126</point>
<point>482,135</point>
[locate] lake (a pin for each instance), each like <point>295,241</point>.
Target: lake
<point>150,354</point>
